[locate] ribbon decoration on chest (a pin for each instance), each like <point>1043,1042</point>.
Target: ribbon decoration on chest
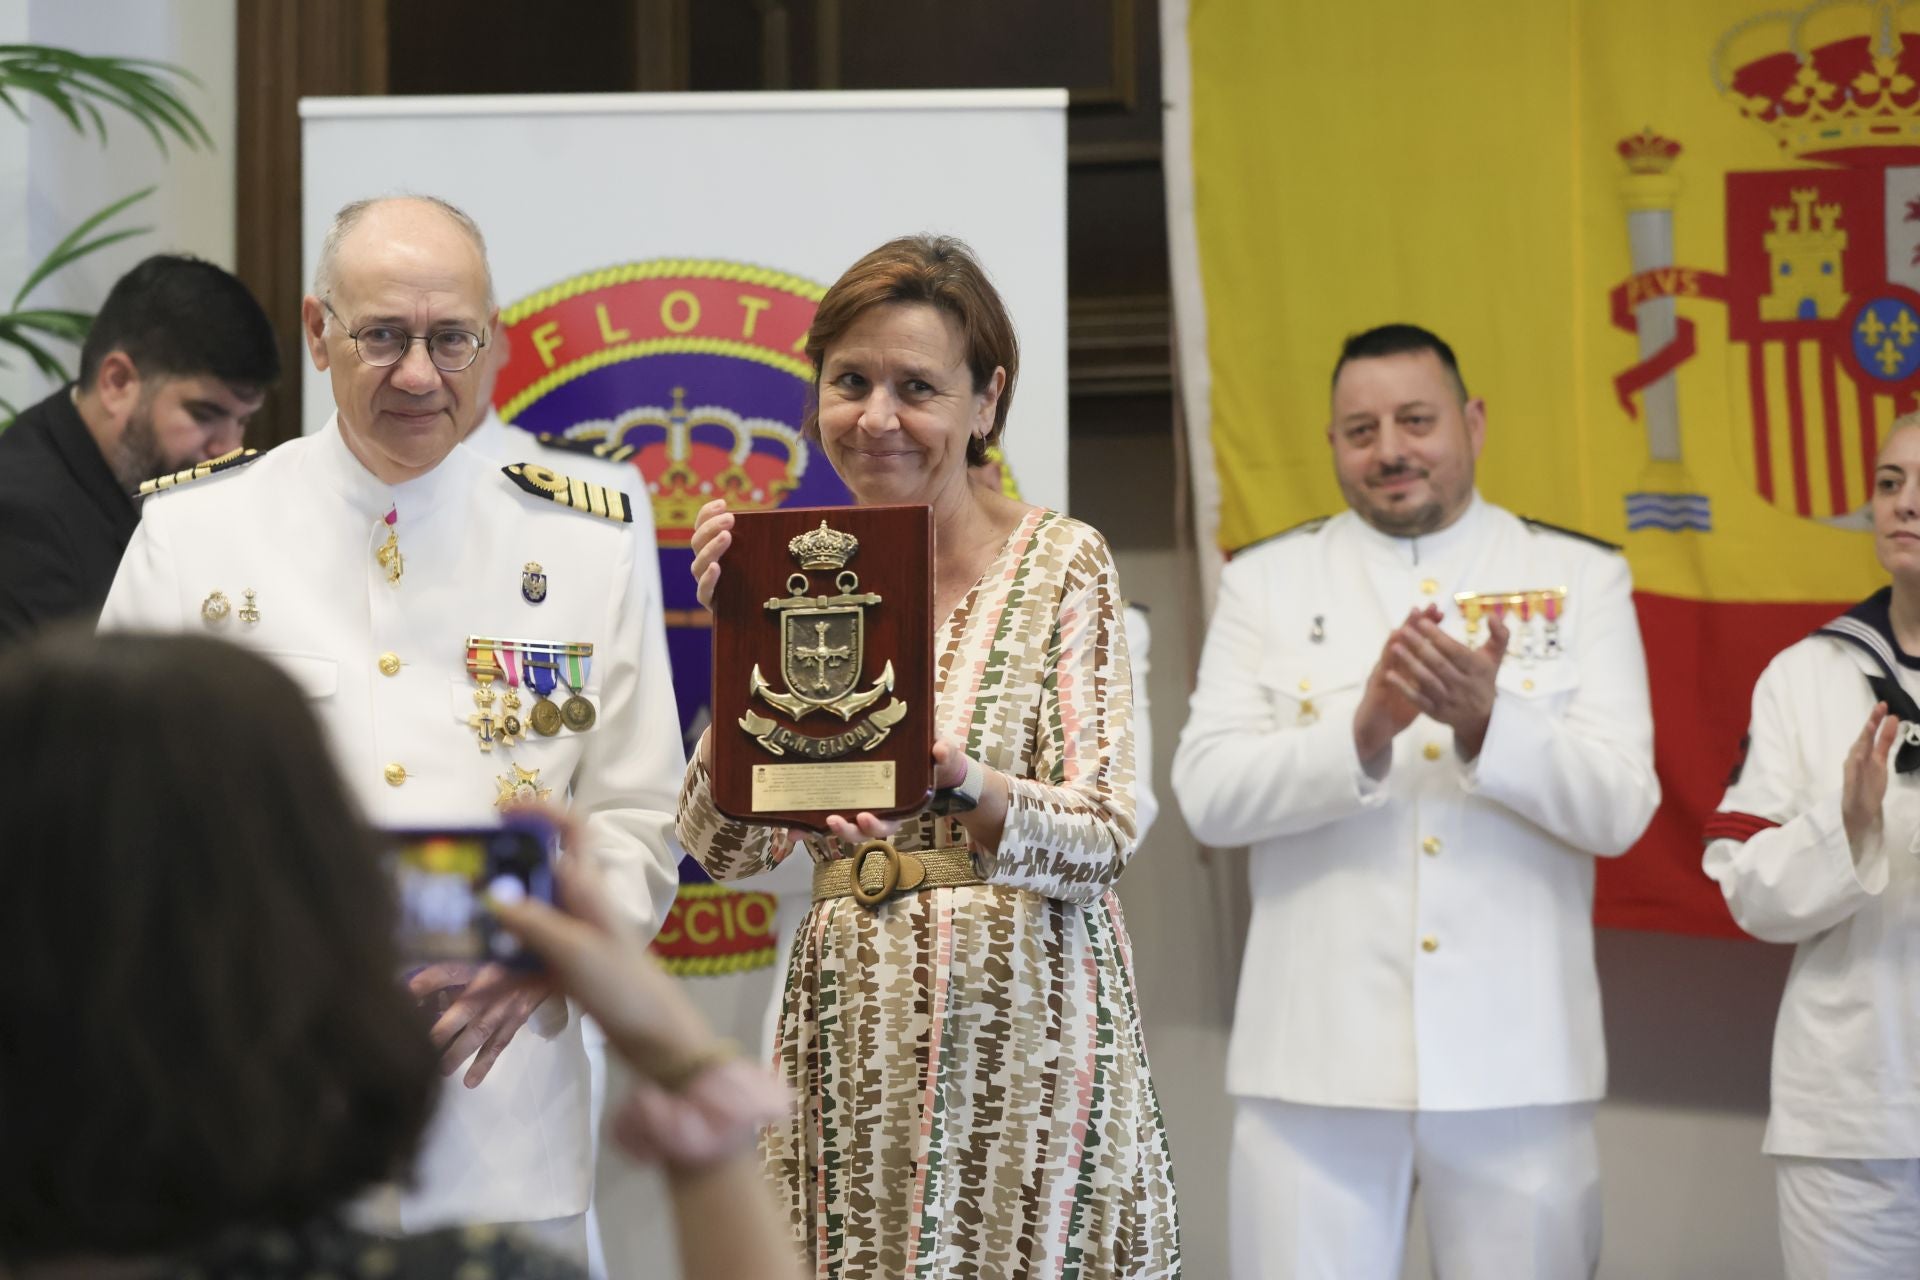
<point>483,664</point>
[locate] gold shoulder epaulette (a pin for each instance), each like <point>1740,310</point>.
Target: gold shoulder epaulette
<point>225,462</point>
<point>611,450</point>
<point>594,499</point>
<point>1305,526</point>
<point>1541,526</point>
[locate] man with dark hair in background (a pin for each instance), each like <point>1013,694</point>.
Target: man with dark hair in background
<point>180,356</point>
<point>1426,717</point>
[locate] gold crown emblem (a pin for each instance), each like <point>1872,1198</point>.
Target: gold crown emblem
<point>1647,152</point>
<point>823,548</point>
<point>1837,80</point>
<point>689,457</point>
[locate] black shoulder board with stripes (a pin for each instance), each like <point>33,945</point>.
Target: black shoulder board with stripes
<point>213,466</point>
<point>1541,526</point>
<point>594,499</point>
<point>1305,526</point>
<point>608,449</point>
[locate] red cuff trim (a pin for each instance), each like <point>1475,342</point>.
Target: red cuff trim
<point>1736,826</point>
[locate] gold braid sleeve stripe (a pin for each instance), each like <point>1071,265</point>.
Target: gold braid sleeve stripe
<point>594,499</point>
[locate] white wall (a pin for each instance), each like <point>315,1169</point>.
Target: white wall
<point>52,178</point>
<point>1688,1196</point>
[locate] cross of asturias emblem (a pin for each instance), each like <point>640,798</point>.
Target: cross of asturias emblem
<point>822,649</point>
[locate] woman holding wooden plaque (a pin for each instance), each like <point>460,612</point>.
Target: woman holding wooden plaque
<point>974,1084</point>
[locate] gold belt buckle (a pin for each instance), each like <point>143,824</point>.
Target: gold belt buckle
<point>902,871</point>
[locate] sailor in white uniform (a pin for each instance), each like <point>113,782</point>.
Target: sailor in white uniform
<point>1817,843</point>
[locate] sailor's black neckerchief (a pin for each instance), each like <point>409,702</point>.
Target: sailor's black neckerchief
<point>1868,626</point>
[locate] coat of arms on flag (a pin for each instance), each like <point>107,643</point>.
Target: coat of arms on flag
<point>1822,279</point>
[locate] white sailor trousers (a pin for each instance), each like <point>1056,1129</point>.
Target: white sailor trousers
<point>1848,1219</point>
<point>1325,1193</point>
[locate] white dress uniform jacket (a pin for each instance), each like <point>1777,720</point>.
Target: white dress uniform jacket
<point>1424,941</point>
<point>300,528</point>
<point>1846,1047</point>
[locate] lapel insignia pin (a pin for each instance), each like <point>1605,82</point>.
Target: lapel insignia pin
<point>249,612</point>
<point>215,607</point>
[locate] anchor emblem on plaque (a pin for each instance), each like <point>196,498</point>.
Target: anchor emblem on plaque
<point>822,652</point>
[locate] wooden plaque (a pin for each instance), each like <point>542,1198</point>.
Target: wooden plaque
<point>823,665</point>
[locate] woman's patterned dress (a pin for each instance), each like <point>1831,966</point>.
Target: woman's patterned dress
<point>975,1096</point>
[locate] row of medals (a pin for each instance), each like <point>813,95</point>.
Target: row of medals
<point>547,719</point>
<point>1532,616</point>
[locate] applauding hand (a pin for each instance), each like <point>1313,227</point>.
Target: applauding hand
<point>1445,679</point>
<point>1863,783</point>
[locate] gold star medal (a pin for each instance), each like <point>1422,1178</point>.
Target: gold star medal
<point>519,788</point>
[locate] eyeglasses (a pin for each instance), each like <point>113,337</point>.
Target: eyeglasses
<point>381,345</point>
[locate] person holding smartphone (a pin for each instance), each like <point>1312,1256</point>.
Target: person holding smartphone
<point>207,1052</point>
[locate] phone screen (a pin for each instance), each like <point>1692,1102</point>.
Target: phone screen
<point>447,881</point>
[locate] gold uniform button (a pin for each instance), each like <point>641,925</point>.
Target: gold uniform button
<point>1305,685</point>
<point>1428,586</point>
<point>1431,751</point>
<point>389,664</point>
<point>1429,944</point>
<point>396,774</point>
<point>1527,685</point>
<point>1431,845</point>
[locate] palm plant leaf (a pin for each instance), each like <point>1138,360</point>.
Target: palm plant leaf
<point>58,322</point>
<point>76,244</point>
<point>72,83</point>
<point>13,335</point>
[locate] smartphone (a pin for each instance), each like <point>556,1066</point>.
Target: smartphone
<point>447,881</point>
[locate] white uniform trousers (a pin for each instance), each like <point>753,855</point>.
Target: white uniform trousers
<point>1325,1193</point>
<point>1849,1219</point>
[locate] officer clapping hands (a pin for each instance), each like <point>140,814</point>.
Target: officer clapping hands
<point>1424,671</point>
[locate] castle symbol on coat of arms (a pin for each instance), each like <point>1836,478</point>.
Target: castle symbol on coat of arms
<point>1822,278</point>
<point>1803,260</point>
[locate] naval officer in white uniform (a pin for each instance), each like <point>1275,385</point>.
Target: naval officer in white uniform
<point>1418,1003</point>
<point>387,567</point>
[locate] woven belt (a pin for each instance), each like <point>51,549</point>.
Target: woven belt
<point>884,872</point>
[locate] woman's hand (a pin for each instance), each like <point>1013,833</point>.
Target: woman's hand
<point>949,763</point>
<point>863,827</point>
<point>949,770</point>
<point>1863,784</point>
<point>712,535</point>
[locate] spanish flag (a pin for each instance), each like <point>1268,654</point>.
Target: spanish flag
<point>1677,247</point>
